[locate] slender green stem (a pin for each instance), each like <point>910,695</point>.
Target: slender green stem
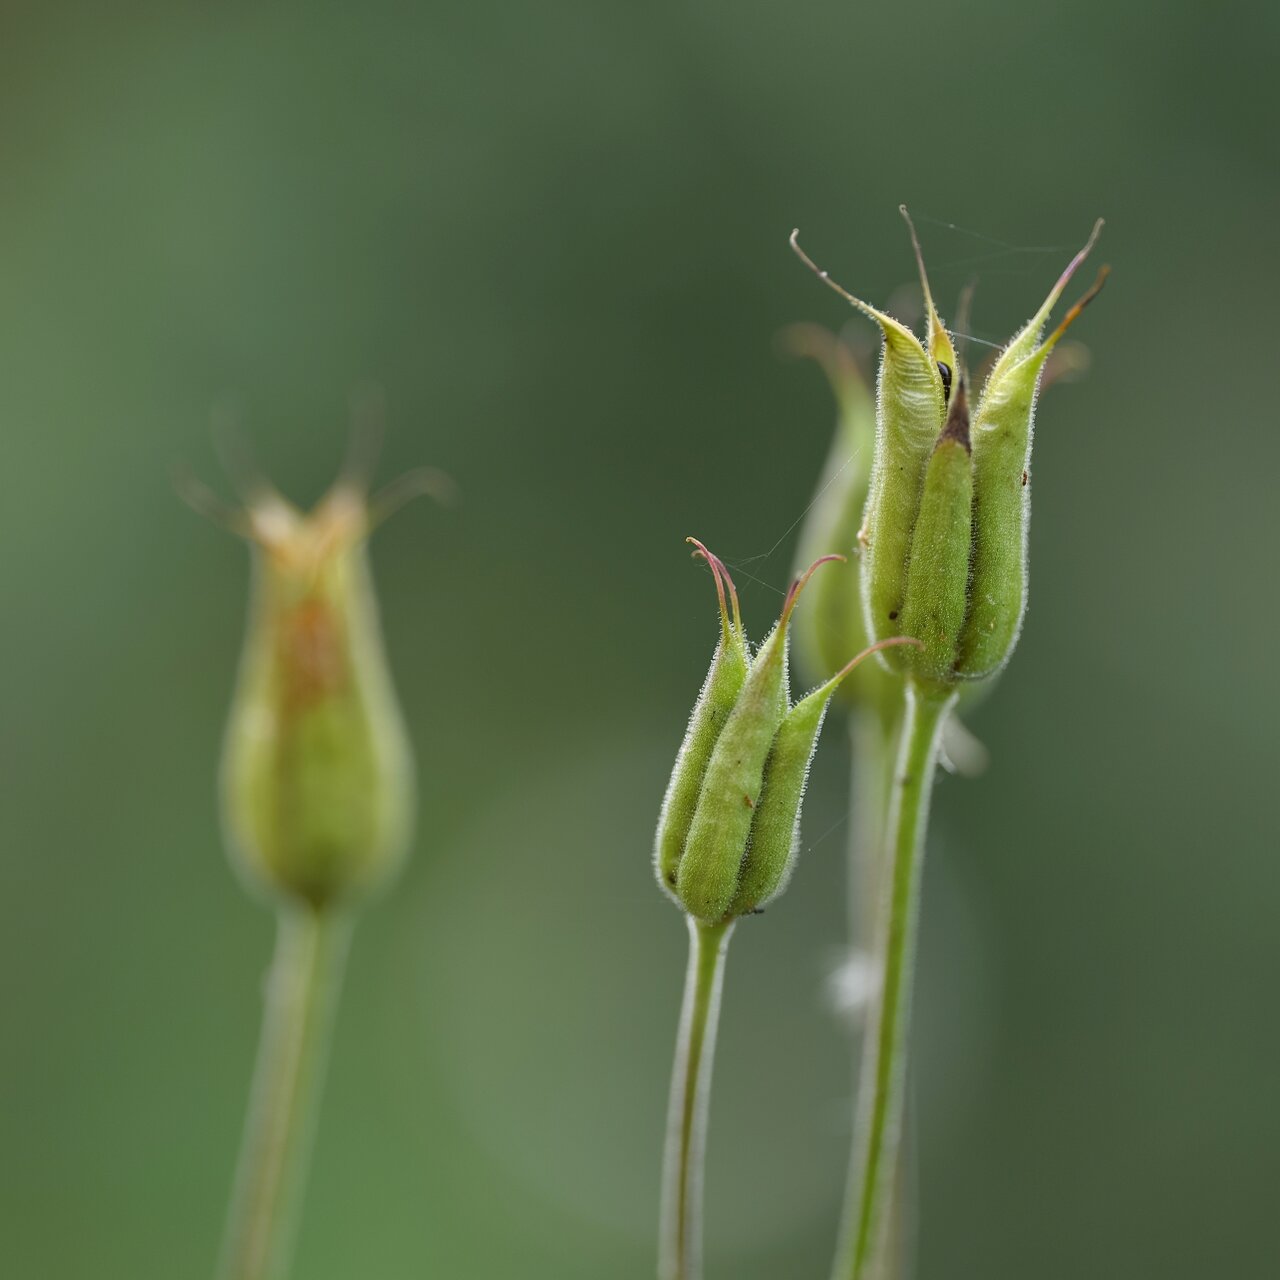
<point>871,742</point>
<point>872,739</point>
<point>301,993</point>
<point>874,1163</point>
<point>680,1230</point>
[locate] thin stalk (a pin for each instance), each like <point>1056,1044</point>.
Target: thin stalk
<point>301,992</point>
<point>872,739</point>
<point>874,1165</point>
<point>680,1228</point>
<point>871,742</point>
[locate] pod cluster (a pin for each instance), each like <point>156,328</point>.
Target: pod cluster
<point>316,775</point>
<point>728,833</point>
<point>944,531</point>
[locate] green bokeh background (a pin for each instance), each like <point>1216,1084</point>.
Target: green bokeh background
<point>555,235</point>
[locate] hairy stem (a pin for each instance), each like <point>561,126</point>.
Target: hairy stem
<point>874,1166</point>
<point>680,1229</point>
<point>301,992</point>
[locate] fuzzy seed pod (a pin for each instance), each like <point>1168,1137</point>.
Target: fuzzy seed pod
<point>316,767</point>
<point>1002,428</point>
<point>726,835</point>
<point>945,528</point>
<point>719,694</point>
<point>316,771</point>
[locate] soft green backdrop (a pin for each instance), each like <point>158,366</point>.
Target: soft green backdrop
<point>555,235</point>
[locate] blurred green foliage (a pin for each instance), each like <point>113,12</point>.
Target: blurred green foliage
<point>555,234</point>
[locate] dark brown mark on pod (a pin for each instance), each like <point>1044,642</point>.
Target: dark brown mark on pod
<point>956,426</point>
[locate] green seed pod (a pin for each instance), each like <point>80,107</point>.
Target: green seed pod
<point>708,873</point>
<point>1002,430</point>
<point>912,391</point>
<point>831,625</point>
<point>945,531</point>
<point>938,571</point>
<point>736,787</point>
<point>316,772</point>
<point>720,691</point>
